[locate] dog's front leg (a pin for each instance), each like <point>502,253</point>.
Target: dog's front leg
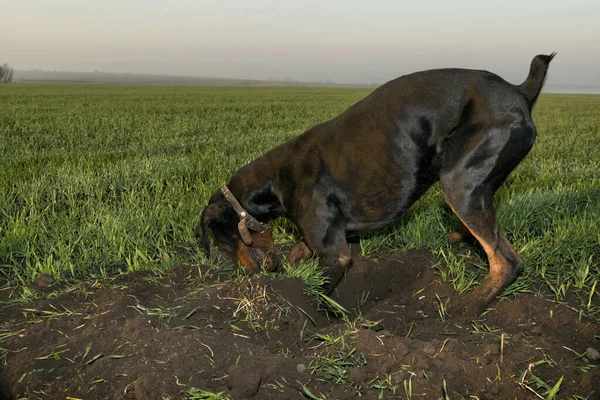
<point>337,263</point>
<point>324,232</point>
<point>299,253</point>
<point>463,233</point>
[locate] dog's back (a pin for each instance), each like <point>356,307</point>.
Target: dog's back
<point>401,136</point>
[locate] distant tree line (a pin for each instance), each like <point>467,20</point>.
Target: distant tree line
<point>6,74</point>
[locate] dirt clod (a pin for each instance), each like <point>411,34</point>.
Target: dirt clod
<point>537,330</point>
<point>244,383</point>
<point>143,388</point>
<point>356,376</point>
<point>401,350</point>
<point>429,349</point>
<point>43,281</point>
<point>491,349</point>
<point>592,354</point>
<point>300,368</point>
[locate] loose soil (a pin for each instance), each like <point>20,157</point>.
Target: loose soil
<point>185,334</point>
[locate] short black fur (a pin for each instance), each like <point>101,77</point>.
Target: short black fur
<point>362,170</point>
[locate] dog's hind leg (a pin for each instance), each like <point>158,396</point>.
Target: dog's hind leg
<point>505,263</point>
<point>469,181</point>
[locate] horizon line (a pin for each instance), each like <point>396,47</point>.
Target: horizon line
<point>554,87</point>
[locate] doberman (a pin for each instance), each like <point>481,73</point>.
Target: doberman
<point>363,169</point>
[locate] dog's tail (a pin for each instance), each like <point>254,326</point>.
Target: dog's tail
<point>532,86</point>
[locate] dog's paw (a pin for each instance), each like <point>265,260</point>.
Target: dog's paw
<point>455,238</point>
<point>335,273</point>
<point>334,276</point>
<point>299,253</point>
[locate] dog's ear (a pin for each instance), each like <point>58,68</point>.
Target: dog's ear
<point>214,212</point>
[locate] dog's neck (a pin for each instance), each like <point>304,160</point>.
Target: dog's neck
<point>257,187</point>
<point>257,194</point>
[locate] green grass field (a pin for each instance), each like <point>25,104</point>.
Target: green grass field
<point>98,179</point>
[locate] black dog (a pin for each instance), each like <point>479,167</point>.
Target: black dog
<point>363,169</point>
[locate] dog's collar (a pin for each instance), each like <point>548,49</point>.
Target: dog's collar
<point>244,215</point>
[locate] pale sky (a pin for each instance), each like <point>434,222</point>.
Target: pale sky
<point>310,40</point>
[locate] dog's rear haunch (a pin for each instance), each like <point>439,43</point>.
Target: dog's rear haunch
<point>363,169</point>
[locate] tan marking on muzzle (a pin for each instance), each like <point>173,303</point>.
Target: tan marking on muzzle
<point>244,232</point>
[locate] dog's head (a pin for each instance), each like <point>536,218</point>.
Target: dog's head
<point>248,248</point>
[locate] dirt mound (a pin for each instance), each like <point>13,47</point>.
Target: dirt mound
<point>185,335</point>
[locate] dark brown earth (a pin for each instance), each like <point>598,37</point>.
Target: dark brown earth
<point>142,336</point>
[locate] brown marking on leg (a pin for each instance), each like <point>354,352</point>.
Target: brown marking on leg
<point>459,236</point>
<point>502,271</point>
<point>295,227</point>
<point>505,263</point>
<point>299,252</point>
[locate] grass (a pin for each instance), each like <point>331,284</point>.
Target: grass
<point>338,357</point>
<point>199,394</point>
<point>98,180</point>
<point>534,384</point>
